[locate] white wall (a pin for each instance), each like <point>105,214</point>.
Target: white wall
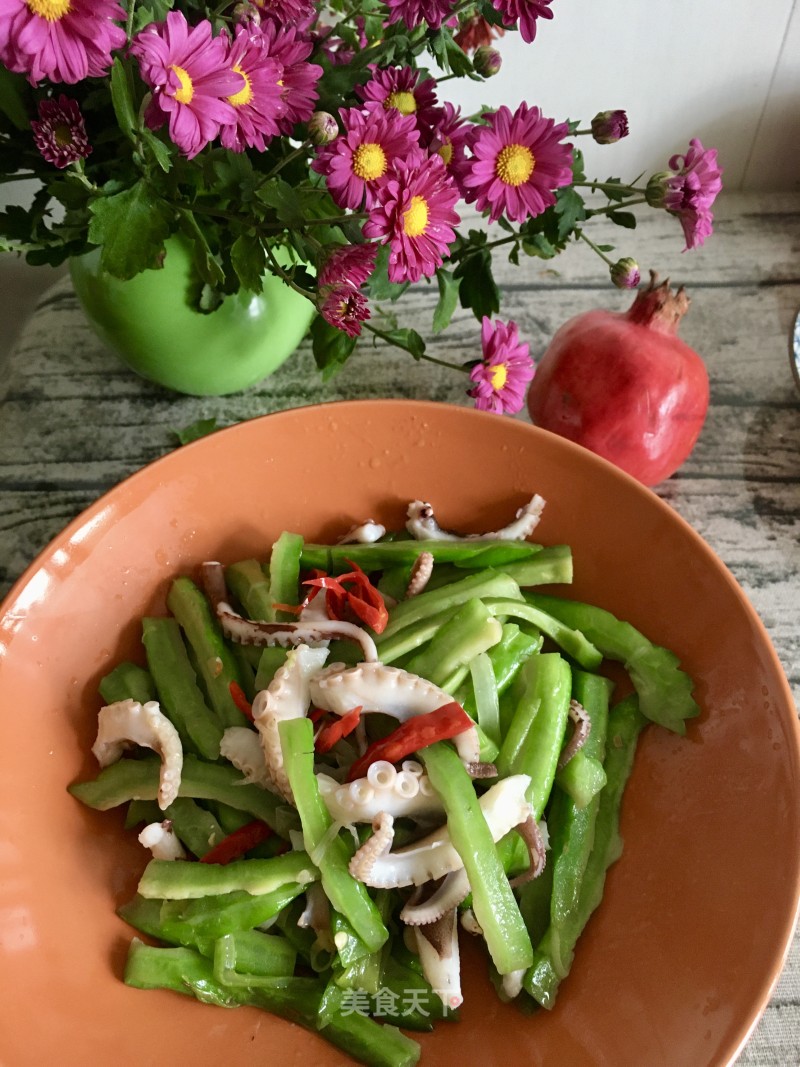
<point>726,71</point>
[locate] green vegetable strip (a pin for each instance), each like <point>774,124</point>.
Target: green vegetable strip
<point>244,958</point>
<point>284,573</point>
<point>413,637</point>
<point>207,918</point>
<point>382,554</point>
<point>665,691</point>
<point>413,611</point>
<point>364,972</point>
<point>401,983</point>
<point>181,700</point>
<point>506,658</point>
<point>250,585</point>
<point>244,656</point>
<point>353,949</point>
<point>230,819</point>
<point>553,565</point>
<point>215,660</point>
<point>492,898</point>
<point>363,1038</point>
<point>169,880</point>
<point>269,662</point>
<point>128,681</point>
<point>130,779</point>
<point>470,631</point>
<point>625,723</point>
<point>196,827</point>
<point>572,641</point>
<point>536,734</point>
<point>347,896</point>
<point>487,702</point>
<point>582,778</point>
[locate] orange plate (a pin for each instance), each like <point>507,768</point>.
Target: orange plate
<point>681,957</point>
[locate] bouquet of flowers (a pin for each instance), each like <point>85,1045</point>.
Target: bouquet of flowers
<point>310,140</point>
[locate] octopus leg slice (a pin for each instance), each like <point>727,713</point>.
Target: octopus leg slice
<point>422,524</point>
<point>448,895</point>
<point>401,794</point>
<point>504,806</point>
<point>128,721</point>
<point>437,945</point>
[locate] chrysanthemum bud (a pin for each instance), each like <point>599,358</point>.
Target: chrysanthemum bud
<point>608,127</point>
<point>656,188</point>
<point>322,128</point>
<point>247,13</point>
<point>625,273</point>
<point>487,61</point>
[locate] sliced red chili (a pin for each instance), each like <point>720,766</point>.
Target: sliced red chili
<point>416,733</point>
<point>354,592</point>
<point>316,714</point>
<point>336,730</point>
<point>240,700</point>
<point>240,841</point>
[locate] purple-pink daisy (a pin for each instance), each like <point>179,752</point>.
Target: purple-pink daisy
<point>517,161</point>
<point>299,81</point>
<point>692,190</point>
<point>501,377</point>
<point>418,12</point>
<point>415,214</point>
<point>287,12</point>
<point>61,40</point>
<point>259,103</point>
<point>475,32</point>
<point>348,264</point>
<point>188,71</point>
<point>400,89</point>
<point>363,155</point>
<point>525,13</point>
<point>60,132</point>
<point>344,307</point>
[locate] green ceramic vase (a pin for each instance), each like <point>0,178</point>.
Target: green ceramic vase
<point>151,325</point>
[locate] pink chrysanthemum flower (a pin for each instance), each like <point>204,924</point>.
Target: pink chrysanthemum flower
<point>292,49</point>
<point>450,138</point>
<point>363,155</point>
<point>692,191</point>
<point>344,307</point>
<point>259,104</point>
<point>476,32</point>
<point>416,12</point>
<point>60,133</point>
<point>399,89</point>
<point>524,12</point>
<point>188,71</point>
<point>287,12</point>
<point>61,40</point>
<point>349,265</point>
<point>517,161</point>
<point>504,372</point>
<point>414,213</point>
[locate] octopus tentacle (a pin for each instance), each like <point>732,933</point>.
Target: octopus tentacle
<point>504,806</point>
<point>241,746</point>
<point>128,721</point>
<point>421,571</point>
<point>286,697</point>
<point>447,896</point>
<point>531,834</point>
<point>423,526</point>
<point>400,793</point>
<point>363,533</point>
<point>437,945</point>
<point>391,690</point>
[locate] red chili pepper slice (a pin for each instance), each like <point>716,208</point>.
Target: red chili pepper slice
<point>240,841</point>
<point>412,735</point>
<point>240,700</point>
<point>363,600</point>
<point>316,714</point>
<point>336,730</point>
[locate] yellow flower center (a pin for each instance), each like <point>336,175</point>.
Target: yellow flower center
<point>369,162</point>
<point>186,92</point>
<point>62,135</point>
<point>498,376</point>
<point>515,164</point>
<point>446,152</point>
<point>245,94</point>
<point>415,218</point>
<point>403,102</point>
<point>52,10</point>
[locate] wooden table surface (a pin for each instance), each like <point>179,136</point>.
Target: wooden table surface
<point>74,422</point>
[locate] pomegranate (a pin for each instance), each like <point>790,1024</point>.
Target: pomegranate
<point>624,385</point>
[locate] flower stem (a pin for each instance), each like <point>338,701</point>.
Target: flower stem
<point>618,205</point>
<point>287,278</point>
<point>430,359</point>
<point>287,159</point>
<point>593,246</point>
<point>129,21</point>
<point>618,187</point>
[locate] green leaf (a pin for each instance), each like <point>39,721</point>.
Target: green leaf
<point>409,340</point>
<point>207,267</point>
<point>478,288</point>
<point>578,173</point>
<point>538,245</point>
<point>379,286</point>
<point>627,219</point>
<point>615,193</point>
<point>292,205</point>
<point>331,347</point>
<point>195,430</point>
<point>13,91</point>
<point>152,11</point>
<point>570,209</point>
<point>130,228</point>
<point>122,97</point>
<point>448,299</point>
<point>160,152</point>
<point>249,261</point>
